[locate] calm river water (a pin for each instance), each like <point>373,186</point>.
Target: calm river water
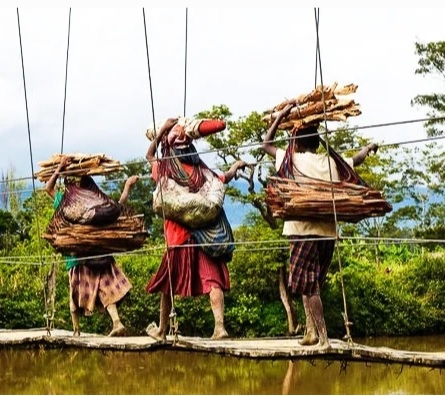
<point>79,371</point>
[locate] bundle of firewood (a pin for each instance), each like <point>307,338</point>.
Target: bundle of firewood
<point>81,164</point>
<point>316,199</point>
<point>350,199</point>
<point>127,233</point>
<point>320,104</point>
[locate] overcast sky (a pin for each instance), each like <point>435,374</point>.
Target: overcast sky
<point>249,59</point>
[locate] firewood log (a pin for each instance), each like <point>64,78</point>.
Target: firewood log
<point>81,164</point>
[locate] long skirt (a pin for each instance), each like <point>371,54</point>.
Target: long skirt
<point>309,265</point>
<point>190,271</point>
<point>96,284</point>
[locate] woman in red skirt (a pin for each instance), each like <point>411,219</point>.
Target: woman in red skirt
<point>193,263</point>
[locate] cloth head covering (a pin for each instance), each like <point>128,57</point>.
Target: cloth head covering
<point>193,127</point>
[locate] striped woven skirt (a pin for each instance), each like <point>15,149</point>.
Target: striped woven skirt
<point>190,271</point>
<point>97,283</point>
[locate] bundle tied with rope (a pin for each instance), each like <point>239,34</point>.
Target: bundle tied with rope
<point>89,222</point>
<point>81,164</point>
<point>350,199</point>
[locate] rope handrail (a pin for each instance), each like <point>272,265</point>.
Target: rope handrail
<point>286,139</point>
<point>281,244</point>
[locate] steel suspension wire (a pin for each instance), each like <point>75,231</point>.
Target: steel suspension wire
<point>173,315</point>
<point>66,80</point>
<point>48,325</point>
<point>317,21</point>
<point>185,62</point>
<point>285,139</point>
<point>149,71</point>
<point>345,313</point>
<point>247,246</point>
<point>317,16</point>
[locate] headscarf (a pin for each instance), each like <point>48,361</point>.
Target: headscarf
<point>190,125</point>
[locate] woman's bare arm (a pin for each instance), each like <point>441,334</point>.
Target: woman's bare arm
<point>151,152</point>
<point>268,145</point>
<point>51,183</point>
<point>360,157</point>
<point>127,188</point>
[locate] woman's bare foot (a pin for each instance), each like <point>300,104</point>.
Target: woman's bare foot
<point>155,332</point>
<point>219,334</point>
<point>117,331</point>
<point>309,340</point>
<point>324,344</point>
<point>76,333</point>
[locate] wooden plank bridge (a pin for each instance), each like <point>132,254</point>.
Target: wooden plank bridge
<point>252,348</point>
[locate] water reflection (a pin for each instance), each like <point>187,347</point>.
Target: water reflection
<point>419,344</point>
<point>80,371</point>
<point>361,378</point>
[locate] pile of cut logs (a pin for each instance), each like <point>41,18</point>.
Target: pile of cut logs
<point>311,108</point>
<point>81,164</point>
<point>127,233</point>
<point>315,199</point>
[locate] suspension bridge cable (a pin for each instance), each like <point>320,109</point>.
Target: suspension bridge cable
<point>66,81</point>
<point>345,313</point>
<point>286,139</point>
<point>246,246</point>
<point>185,62</point>
<point>149,71</point>
<point>173,315</point>
<point>32,166</point>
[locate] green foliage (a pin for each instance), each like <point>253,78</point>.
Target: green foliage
<point>375,305</point>
<point>21,302</point>
<point>10,191</point>
<point>426,282</point>
<point>256,258</point>
<point>404,294</point>
<point>431,62</point>
<point>242,140</point>
<point>141,195</point>
<point>8,229</point>
<point>7,223</point>
<point>244,316</point>
<point>139,308</point>
<point>13,222</point>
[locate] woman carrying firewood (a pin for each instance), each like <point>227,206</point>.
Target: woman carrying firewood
<point>94,281</point>
<point>198,246</point>
<point>312,242</point>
